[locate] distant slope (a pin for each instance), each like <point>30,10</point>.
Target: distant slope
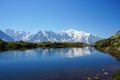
<point>5,37</point>
<point>111,44</point>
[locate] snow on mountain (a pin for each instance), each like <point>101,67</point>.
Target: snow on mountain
<point>5,37</point>
<point>50,36</point>
<point>81,36</point>
<point>45,36</point>
<point>65,36</point>
<point>18,35</point>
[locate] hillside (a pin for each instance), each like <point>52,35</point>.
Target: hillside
<point>5,37</point>
<point>111,44</point>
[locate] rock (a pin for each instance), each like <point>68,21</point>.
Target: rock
<point>88,78</point>
<point>105,73</point>
<point>96,78</point>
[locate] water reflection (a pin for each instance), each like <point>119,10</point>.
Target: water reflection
<point>39,52</point>
<point>56,64</point>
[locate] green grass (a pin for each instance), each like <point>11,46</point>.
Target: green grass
<point>116,75</point>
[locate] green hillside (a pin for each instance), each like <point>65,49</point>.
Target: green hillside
<point>111,44</point>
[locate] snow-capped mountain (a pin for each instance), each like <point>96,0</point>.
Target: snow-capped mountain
<point>44,36</point>
<point>50,36</point>
<point>5,37</point>
<point>81,36</point>
<point>65,36</point>
<point>62,36</point>
<point>18,35</point>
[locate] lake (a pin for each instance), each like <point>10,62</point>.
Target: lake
<point>57,64</point>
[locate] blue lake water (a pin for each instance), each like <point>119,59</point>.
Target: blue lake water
<point>57,64</point>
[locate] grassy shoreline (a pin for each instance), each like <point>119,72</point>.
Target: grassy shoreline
<point>20,45</point>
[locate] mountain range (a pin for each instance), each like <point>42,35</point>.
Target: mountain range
<point>45,36</point>
<point>18,35</point>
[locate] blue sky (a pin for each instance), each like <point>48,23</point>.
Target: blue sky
<point>100,17</point>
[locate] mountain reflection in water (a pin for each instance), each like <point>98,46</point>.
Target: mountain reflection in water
<point>52,52</point>
<point>57,64</point>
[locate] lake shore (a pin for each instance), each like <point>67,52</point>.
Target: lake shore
<point>20,45</point>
